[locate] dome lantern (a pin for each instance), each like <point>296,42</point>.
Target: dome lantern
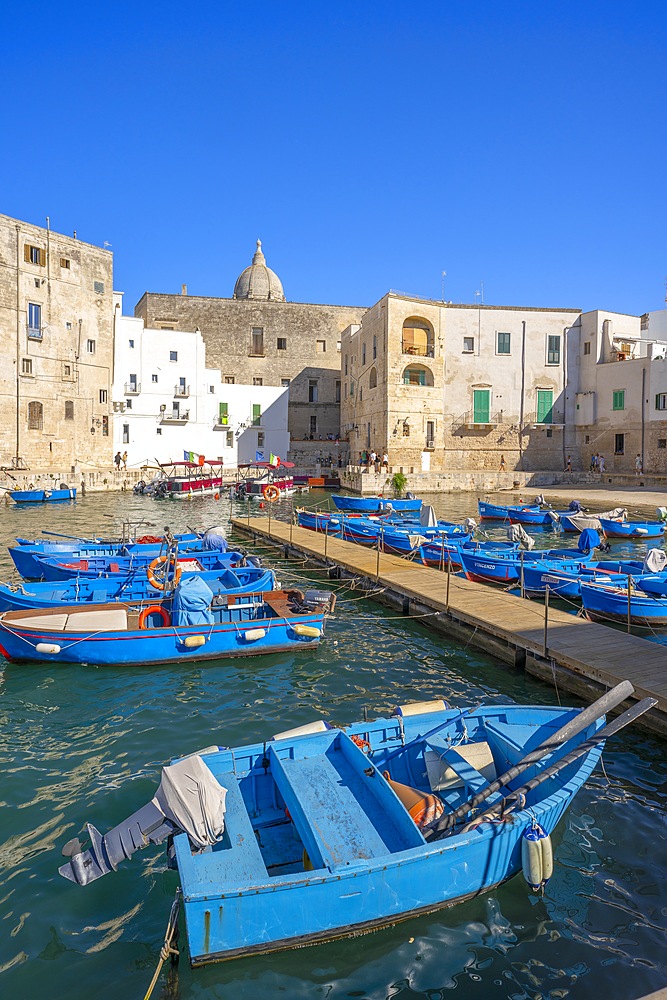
<point>258,281</point>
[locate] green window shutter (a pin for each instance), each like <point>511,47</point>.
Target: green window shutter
<point>545,403</point>
<point>618,402</point>
<point>224,413</point>
<point>480,406</point>
<point>256,414</point>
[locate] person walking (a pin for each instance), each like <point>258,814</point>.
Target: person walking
<point>638,465</point>
<point>502,464</point>
<point>124,458</point>
<point>601,467</point>
<point>568,464</point>
<point>385,462</point>
<point>117,461</point>
<point>594,463</point>
<point>372,461</point>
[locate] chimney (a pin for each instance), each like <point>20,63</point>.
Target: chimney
<point>184,289</point>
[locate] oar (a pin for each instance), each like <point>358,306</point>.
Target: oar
<point>75,538</point>
<point>631,715</point>
<point>609,700</point>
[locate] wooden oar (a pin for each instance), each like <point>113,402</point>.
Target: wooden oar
<point>631,715</point>
<point>609,700</point>
<point>74,538</point>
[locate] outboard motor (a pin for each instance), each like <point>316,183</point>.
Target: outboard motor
<point>323,601</point>
<point>471,524</point>
<point>575,506</point>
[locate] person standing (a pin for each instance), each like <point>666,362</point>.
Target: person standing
<point>502,464</point>
<point>372,460</point>
<point>117,460</point>
<point>638,465</point>
<point>124,457</point>
<point>601,467</point>
<point>385,462</point>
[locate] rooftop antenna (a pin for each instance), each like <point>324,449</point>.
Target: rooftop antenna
<point>444,275</point>
<point>481,284</point>
<point>106,244</point>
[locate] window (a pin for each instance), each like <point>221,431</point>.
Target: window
<point>337,395</point>
<point>468,345</point>
<point>153,378</point>
<point>69,409</point>
<point>37,283</point>
<point>375,347</point>
<point>338,346</point>
<point>619,444</point>
<point>550,432</point>
<point>363,355</point>
<point>284,382</point>
<point>173,355</point>
<point>553,350</point>
<point>587,439</point>
<point>211,388</point>
<point>345,365</point>
<point>229,439</point>
<point>618,399</point>
<point>416,375</point>
<point>503,343</point>
<point>373,378</point>
<point>229,380</point>
<point>430,433</point>
<point>26,366</point>
<point>256,414</point>
<point>131,343</point>
<point>223,414</point>
<point>587,347</point>
<point>128,404</point>
<point>34,321</point>
<point>260,439</point>
<point>98,286</point>
<point>661,401</point>
<point>282,343</point>
<point>90,346</point>
<point>103,395</point>
<point>321,346</point>
<point>105,426</point>
<point>67,371</point>
<point>35,416</point>
<point>417,337</point>
<point>65,263</point>
<point>545,403</point>
<point>313,424</point>
<point>312,390</point>
<point>258,381</point>
<point>68,326</point>
<point>257,340</point>
<point>481,399</point>
<point>662,442</point>
<point>159,431</point>
<point>406,429</point>
<point>34,255</point>
<point>126,433</point>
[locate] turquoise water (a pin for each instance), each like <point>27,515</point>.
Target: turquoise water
<point>81,744</point>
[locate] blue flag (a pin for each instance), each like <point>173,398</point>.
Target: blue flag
<point>259,456</point>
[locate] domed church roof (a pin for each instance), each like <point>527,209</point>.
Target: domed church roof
<point>258,281</point>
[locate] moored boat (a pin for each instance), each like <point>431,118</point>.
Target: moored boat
<point>68,568</point>
<point>505,567</point>
<point>374,505</point>
<point>606,602</point>
<point>322,832</point>
<point>43,496</point>
<point>615,528</point>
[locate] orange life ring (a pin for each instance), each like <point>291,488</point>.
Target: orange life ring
<point>271,493</point>
<point>155,609</point>
<point>150,572</point>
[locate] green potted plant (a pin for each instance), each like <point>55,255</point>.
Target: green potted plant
<point>399,482</point>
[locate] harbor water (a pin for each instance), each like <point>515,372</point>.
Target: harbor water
<point>81,744</point>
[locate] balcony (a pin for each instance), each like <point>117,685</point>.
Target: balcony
<point>554,420</point>
<point>222,425</point>
<point>417,350</point>
<point>180,417</point>
<point>132,388</point>
<point>34,333</point>
<point>182,391</point>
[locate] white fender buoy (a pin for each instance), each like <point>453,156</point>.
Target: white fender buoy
<point>307,631</point>
<point>253,634</point>
<point>310,727</point>
<point>47,647</point>
<point>536,857</point>
<point>194,641</point>
<point>420,708</point>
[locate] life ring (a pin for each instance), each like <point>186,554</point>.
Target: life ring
<point>155,609</point>
<point>271,493</point>
<point>150,572</point>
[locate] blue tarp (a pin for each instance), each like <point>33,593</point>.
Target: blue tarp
<point>588,540</point>
<point>192,602</point>
<point>214,542</point>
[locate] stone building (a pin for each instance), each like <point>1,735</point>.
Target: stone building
<point>443,386</point>
<point>259,338</point>
<point>56,340</point>
<point>168,401</point>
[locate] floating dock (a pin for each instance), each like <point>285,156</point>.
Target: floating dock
<point>567,651</point>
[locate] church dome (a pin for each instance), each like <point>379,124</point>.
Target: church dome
<point>258,281</point>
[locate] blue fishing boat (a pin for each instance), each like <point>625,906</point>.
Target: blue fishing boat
<point>500,512</point>
<point>375,505</point>
<point>437,552</point>
<point>504,567</point>
<point>43,496</point>
<point>632,529</point>
<point>69,543</point>
<point>534,514</point>
<point>319,520</point>
<point>197,628</point>
<point>68,568</point>
<point>321,832</point>
<point>565,580</point>
<point>605,602</point>
<point>131,590</point>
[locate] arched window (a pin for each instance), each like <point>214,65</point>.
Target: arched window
<point>35,416</point>
<point>418,337</point>
<point>417,375</point>
<point>373,378</point>
<point>69,409</point>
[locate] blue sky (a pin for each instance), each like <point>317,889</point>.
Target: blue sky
<point>369,145</point>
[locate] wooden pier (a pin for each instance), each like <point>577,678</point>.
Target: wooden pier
<point>568,651</point>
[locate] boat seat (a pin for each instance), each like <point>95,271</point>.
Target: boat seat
<point>465,773</point>
<point>103,620</point>
<point>237,859</point>
<point>49,622</point>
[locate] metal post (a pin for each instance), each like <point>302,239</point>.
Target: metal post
<point>523,587</point>
<point>442,552</point>
<point>291,525</point>
<point>629,600</point>
<point>546,618</point>
<point>449,573</point>
<point>377,566</point>
<point>326,540</point>
<point>248,501</point>
<point>269,517</point>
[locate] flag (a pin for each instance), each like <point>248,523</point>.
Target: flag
<point>189,456</point>
<point>259,456</point>
<point>274,460</point>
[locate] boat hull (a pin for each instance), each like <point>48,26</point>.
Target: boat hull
<point>606,604</point>
<point>632,529</point>
<point>372,505</point>
<point>42,496</point>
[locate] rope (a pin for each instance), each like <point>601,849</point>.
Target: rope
<point>167,949</point>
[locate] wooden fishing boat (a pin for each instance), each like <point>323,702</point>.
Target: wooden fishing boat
<point>580,520</point>
<point>321,833</point>
<point>504,567</point>
<point>437,552</point>
<point>43,496</point>
<point>69,567</point>
<point>606,602</point>
<point>500,512</point>
<point>241,625</point>
<point>373,505</point>
<point>632,529</point>
<point>131,590</point>
<point>565,579</point>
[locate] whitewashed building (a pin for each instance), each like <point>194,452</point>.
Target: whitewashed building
<point>166,402</point>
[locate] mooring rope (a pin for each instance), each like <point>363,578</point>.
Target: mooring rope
<point>168,949</point>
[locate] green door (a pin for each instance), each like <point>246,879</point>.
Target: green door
<point>545,405</point>
<point>480,406</point>
<point>224,413</point>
